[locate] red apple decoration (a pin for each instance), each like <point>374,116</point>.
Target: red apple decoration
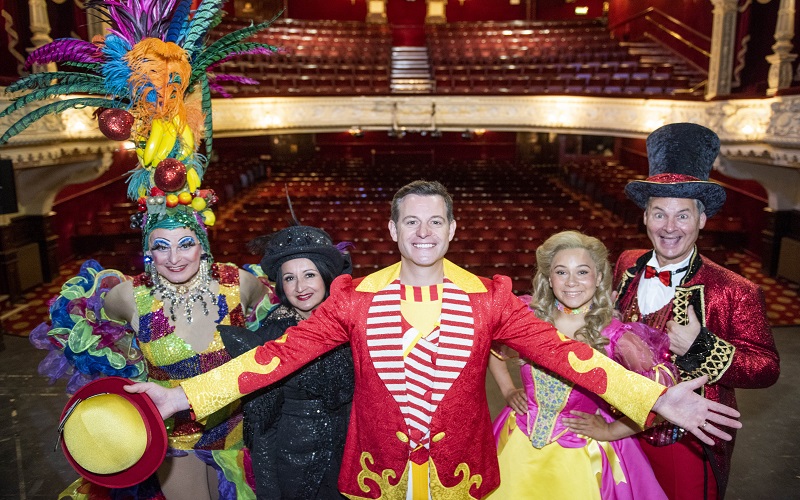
<point>115,124</point>
<point>170,175</point>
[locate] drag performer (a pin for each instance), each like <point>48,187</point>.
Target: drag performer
<point>420,333</point>
<point>543,448</point>
<point>715,319</point>
<point>148,78</point>
<point>295,429</point>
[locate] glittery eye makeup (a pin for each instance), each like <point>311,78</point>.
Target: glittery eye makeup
<point>186,242</point>
<point>160,244</point>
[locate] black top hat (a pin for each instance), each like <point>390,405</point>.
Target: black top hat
<point>298,242</point>
<point>681,156</point>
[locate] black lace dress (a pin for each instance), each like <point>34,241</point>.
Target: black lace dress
<point>296,428</point>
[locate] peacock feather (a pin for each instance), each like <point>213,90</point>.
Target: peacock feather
<point>41,80</point>
<point>57,107</point>
<point>53,91</point>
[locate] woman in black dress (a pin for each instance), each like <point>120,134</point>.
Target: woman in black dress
<point>296,429</point>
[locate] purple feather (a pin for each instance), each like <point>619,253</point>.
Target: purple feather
<point>345,246</point>
<point>134,20</point>
<point>236,79</point>
<point>65,50</point>
<point>219,89</point>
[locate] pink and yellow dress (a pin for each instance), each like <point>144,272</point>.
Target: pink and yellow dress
<point>541,459</point>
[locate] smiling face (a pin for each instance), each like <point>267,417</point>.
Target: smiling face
<point>175,253</point>
<point>673,225</point>
<point>303,285</point>
<point>573,277</point>
<point>422,232</point>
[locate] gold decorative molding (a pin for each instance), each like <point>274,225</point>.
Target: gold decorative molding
<point>763,131</point>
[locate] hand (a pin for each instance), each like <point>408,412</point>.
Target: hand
<point>517,400</point>
<point>698,415</point>
<point>589,425</point>
<point>681,337</point>
<point>168,401</point>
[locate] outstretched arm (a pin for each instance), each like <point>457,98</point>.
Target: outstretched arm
<point>259,367</point>
<point>631,393</point>
<point>698,415</point>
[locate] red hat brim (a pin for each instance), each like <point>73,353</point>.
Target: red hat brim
<point>156,449</point>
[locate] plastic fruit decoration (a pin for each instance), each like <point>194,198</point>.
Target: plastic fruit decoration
<point>170,175</point>
<point>116,124</point>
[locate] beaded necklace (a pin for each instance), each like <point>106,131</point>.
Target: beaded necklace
<point>578,310</point>
<point>198,289</point>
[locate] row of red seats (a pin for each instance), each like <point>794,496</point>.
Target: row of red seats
<point>591,68</point>
<point>524,85</point>
<point>313,85</point>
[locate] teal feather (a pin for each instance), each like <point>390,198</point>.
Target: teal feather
<point>206,103</point>
<point>38,80</point>
<point>234,37</point>
<point>215,54</point>
<point>198,162</point>
<point>200,24</point>
<point>57,107</point>
<point>95,67</point>
<point>138,177</point>
<point>242,33</point>
<point>53,91</point>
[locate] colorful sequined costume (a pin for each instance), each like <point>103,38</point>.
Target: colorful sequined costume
<point>460,455</point>
<point>171,360</point>
<point>540,458</point>
<point>296,429</point>
<point>735,347</point>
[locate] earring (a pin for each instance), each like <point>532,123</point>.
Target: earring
<point>149,270</point>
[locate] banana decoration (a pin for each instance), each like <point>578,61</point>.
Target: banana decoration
<point>169,135</point>
<point>192,179</point>
<point>153,141</point>
<point>187,140</point>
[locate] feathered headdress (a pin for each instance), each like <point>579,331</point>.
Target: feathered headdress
<point>151,79</point>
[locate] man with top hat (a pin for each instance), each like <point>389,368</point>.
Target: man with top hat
<point>715,319</point>
<point>420,332</point>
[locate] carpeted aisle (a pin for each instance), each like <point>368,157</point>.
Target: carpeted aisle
<point>782,297</point>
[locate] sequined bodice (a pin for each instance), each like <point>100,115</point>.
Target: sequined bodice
<point>550,399</point>
<point>170,359</point>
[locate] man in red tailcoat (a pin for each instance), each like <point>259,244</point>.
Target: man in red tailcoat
<point>716,320</point>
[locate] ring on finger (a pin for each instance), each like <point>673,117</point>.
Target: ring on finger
<point>704,425</point>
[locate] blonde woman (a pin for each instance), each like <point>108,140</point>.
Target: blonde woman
<point>542,447</point>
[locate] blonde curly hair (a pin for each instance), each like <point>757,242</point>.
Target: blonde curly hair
<point>544,301</point>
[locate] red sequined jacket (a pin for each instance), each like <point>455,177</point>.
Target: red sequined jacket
<point>735,347</point>
<point>462,454</point>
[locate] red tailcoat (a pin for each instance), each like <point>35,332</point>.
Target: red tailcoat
<point>732,312</point>
<point>462,453</point>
